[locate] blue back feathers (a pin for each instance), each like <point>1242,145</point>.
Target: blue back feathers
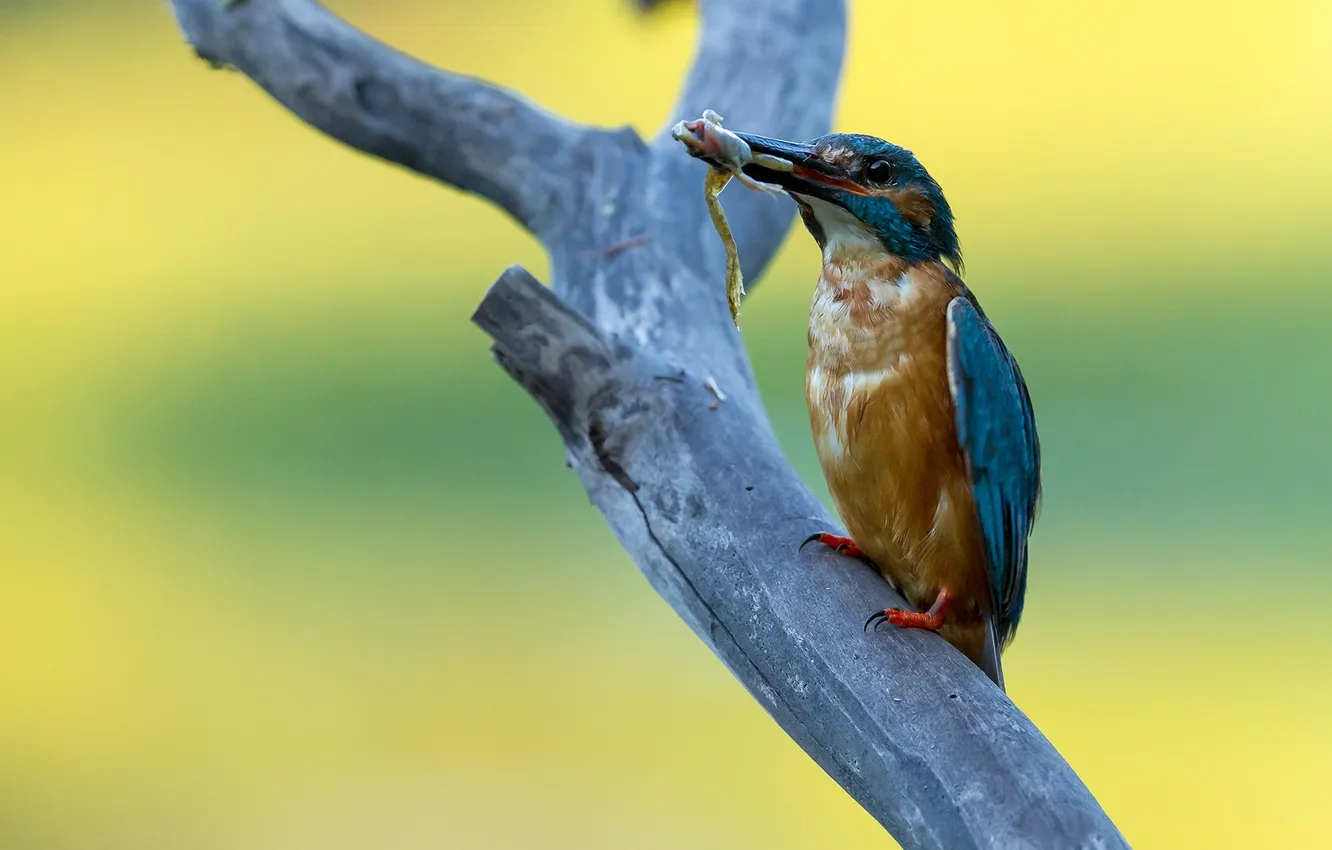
<point>997,430</point>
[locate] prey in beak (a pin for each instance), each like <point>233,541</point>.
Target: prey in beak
<point>766,164</point>
<point>763,164</point>
<point>850,188</point>
<point>728,154</point>
<point>760,163</point>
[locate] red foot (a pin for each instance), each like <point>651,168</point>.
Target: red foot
<point>841,545</point>
<point>931,619</point>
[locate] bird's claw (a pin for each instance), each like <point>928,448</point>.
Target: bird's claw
<point>904,619</point>
<point>840,545</point>
<point>932,620</point>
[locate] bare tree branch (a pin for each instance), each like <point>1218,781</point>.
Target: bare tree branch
<point>769,67</point>
<point>699,493</point>
<point>625,355</point>
<point>463,131</point>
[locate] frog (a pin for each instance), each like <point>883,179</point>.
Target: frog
<point>707,137</point>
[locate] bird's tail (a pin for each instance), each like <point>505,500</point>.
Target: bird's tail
<point>990,654</point>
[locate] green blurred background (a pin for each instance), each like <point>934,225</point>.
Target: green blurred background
<point>286,562</point>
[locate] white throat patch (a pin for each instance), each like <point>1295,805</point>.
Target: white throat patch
<point>843,232</point>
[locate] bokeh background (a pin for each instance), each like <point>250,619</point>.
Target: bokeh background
<point>286,562</point>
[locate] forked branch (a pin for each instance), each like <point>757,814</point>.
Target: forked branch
<point>626,354</point>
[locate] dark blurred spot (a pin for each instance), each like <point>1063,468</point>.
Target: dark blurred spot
<point>695,506</point>
<point>649,5</point>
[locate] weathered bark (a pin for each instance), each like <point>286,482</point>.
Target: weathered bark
<point>626,354</point>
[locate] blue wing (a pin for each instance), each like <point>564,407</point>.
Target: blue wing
<point>997,430</point>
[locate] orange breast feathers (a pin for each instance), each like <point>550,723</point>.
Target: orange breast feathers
<point>883,424</point>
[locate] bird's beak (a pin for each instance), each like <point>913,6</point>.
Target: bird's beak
<point>800,168</point>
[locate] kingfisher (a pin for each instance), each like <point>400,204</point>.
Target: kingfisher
<point>921,418</point>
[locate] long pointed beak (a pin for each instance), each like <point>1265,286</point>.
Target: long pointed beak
<point>796,153</point>
<point>810,173</point>
<point>797,167</point>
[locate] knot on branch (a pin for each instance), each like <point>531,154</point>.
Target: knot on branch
<point>587,384</point>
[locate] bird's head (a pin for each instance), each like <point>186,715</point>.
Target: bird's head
<point>859,191</point>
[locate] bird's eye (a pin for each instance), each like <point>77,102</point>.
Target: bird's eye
<point>880,171</point>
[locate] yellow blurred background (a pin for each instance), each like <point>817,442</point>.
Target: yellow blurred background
<point>286,562</point>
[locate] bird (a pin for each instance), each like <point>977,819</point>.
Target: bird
<point>921,418</point>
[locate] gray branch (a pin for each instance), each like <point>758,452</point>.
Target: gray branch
<point>626,354</point>
<point>463,131</point>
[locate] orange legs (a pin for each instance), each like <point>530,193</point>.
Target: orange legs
<point>931,619</point>
<point>841,545</point>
